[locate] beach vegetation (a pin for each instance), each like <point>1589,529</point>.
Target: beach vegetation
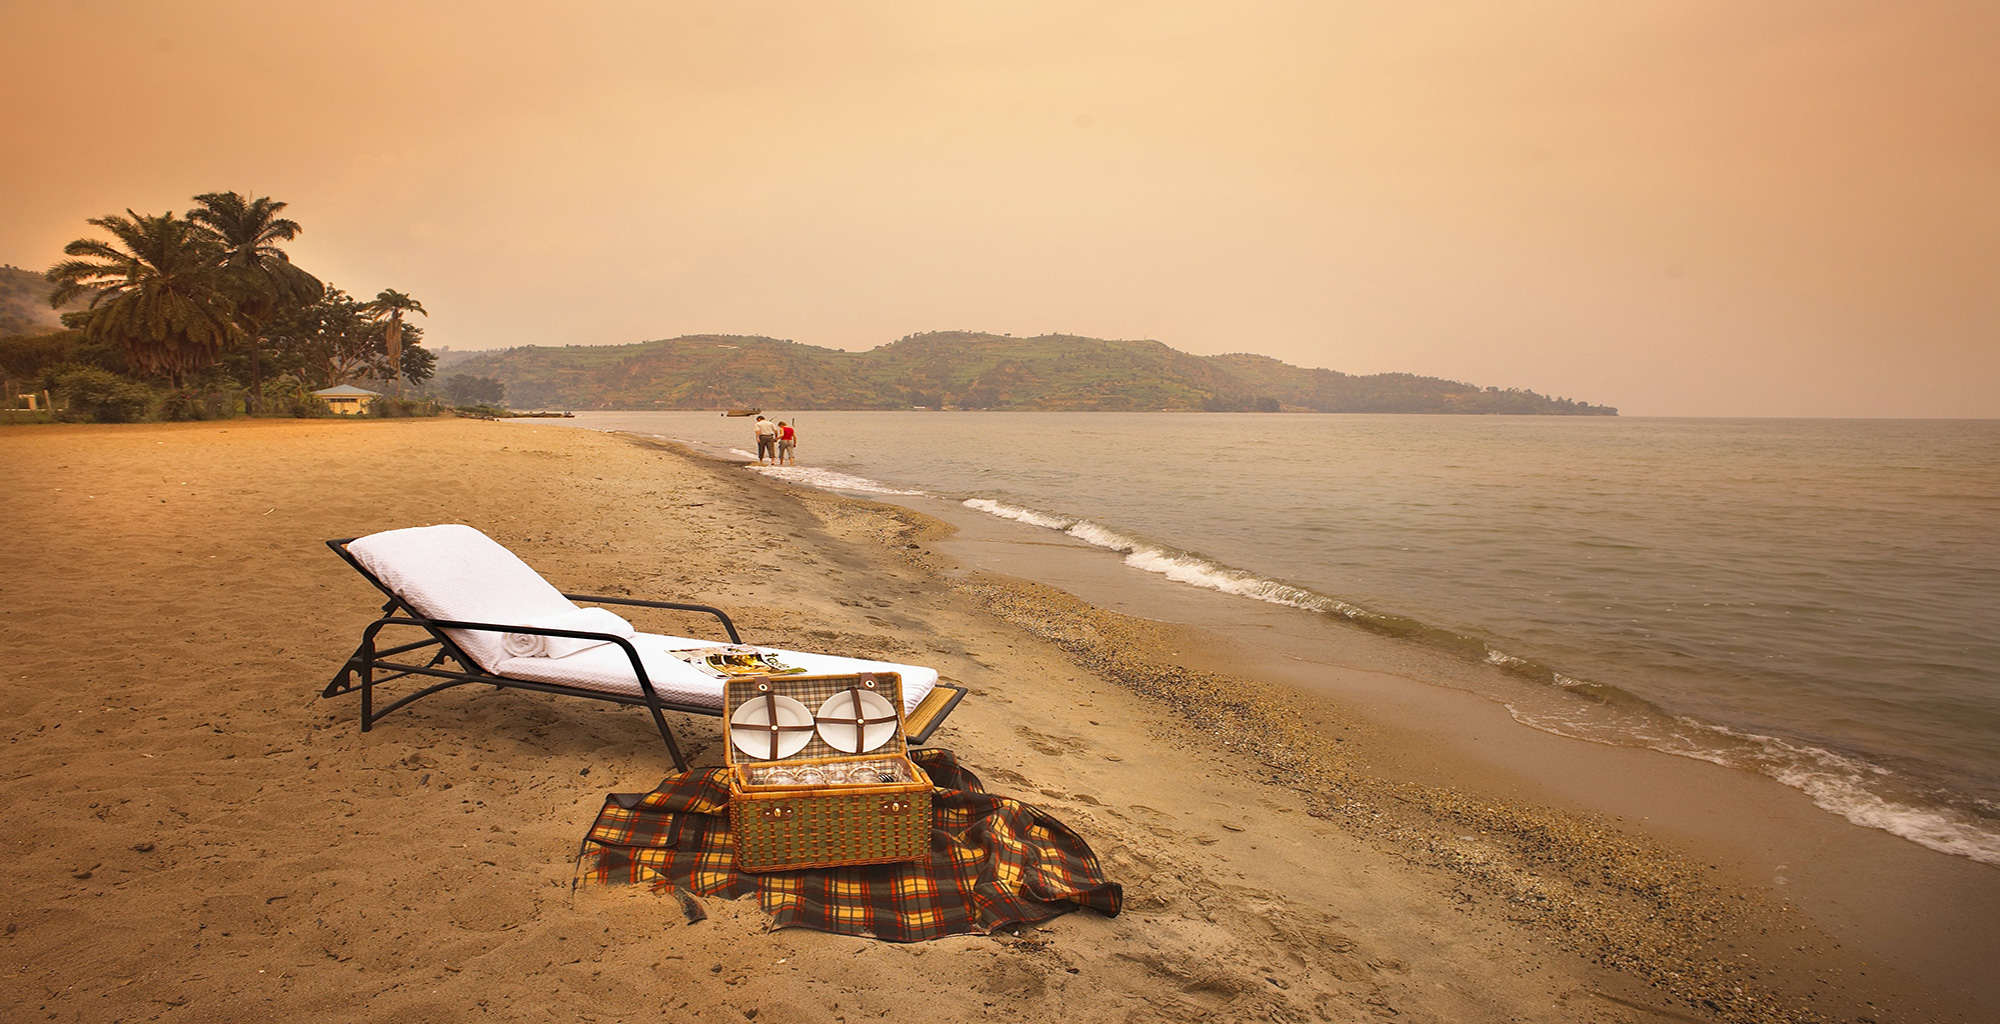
<point>23,357</point>
<point>187,308</point>
<point>338,339</point>
<point>389,407</point>
<point>326,341</point>
<point>418,364</point>
<point>182,404</point>
<point>211,395</point>
<point>287,394</point>
<point>464,389</point>
<point>155,288</point>
<point>387,309</point>
<point>257,274</point>
<point>91,394</point>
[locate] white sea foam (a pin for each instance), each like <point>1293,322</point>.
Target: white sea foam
<point>828,480</point>
<point>1179,566</point>
<point>1923,826</point>
<point>1835,783</point>
<point>1842,785</point>
<point>1018,514</point>
<point>1103,537</point>
<point>1200,572</point>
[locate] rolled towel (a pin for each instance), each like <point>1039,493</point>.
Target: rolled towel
<point>535,645</point>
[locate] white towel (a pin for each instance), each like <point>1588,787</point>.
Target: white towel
<point>456,572</point>
<point>594,620</point>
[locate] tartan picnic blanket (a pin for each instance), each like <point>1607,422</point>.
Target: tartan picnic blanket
<point>993,861</point>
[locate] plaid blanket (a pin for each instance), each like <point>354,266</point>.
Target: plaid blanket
<point>993,862</point>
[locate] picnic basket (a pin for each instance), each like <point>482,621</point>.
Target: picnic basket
<point>820,774</point>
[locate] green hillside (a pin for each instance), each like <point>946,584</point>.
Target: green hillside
<point>24,302</point>
<point>967,371</point>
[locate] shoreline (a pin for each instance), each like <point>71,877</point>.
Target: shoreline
<point>1927,916</point>
<point>1927,783</point>
<point>1932,915</point>
<point>172,775</point>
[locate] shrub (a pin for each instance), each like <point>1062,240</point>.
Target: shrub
<point>100,395</point>
<point>24,356</point>
<point>468,390</point>
<point>386,407</point>
<point>183,404</point>
<point>287,395</point>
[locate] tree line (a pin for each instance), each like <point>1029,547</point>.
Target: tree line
<point>192,313</point>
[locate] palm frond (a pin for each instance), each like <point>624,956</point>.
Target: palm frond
<point>93,247</point>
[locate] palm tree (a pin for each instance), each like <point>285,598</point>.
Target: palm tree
<point>394,304</point>
<point>155,289</point>
<point>256,272</point>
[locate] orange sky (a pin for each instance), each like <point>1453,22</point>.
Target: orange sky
<point>1780,208</point>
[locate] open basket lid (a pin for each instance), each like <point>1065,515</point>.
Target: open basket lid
<point>784,718</point>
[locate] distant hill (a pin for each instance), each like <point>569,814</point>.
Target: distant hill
<point>24,302</point>
<point>964,370</point>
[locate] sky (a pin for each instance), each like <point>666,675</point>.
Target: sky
<point>1685,208</point>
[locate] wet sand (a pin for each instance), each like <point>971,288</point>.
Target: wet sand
<point>195,833</point>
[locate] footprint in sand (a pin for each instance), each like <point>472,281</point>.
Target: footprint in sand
<point>1053,746</point>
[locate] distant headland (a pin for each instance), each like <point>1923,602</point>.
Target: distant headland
<point>969,370</point>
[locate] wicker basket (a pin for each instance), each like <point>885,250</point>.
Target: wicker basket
<point>780,827</point>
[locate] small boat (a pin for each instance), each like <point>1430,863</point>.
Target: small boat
<point>743,412</point>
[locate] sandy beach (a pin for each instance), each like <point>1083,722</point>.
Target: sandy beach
<point>195,834</point>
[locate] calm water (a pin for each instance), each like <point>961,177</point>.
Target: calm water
<point>1817,600</point>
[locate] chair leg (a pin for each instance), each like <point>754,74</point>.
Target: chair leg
<point>674,749</point>
<point>362,663</point>
<point>367,656</point>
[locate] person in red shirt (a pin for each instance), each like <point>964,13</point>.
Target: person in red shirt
<point>788,439</point>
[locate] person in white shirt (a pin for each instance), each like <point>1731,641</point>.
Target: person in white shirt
<point>767,441</point>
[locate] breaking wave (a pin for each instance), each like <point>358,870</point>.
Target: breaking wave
<point>826,479</point>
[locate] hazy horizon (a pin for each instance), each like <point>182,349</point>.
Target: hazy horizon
<point>1783,209</point>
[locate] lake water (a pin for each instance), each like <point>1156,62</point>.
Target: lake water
<point>1816,600</point>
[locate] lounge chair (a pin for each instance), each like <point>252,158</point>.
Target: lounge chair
<point>485,611</point>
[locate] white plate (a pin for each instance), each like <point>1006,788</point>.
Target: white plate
<point>836,721</point>
<point>750,727</point>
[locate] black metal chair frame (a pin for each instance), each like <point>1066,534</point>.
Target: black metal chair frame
<point>374,665</point>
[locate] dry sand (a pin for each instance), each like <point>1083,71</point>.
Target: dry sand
<point>194,834</point>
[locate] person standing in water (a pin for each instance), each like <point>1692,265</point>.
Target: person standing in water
<point>767,441</point>
<point>788,440</point>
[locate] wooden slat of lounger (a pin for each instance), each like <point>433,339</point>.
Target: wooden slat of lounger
<point>930,712</point>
